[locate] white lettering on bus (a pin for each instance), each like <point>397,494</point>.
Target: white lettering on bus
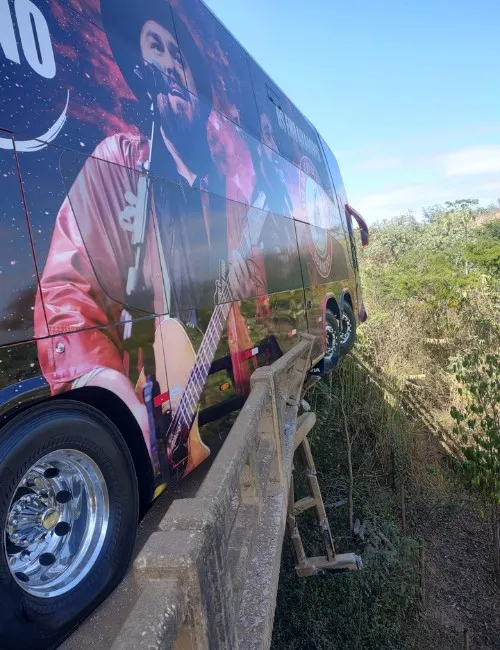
<point>289,126</point>
<point>34,34</point>
<point>281,118</point>
<point>7,34</point>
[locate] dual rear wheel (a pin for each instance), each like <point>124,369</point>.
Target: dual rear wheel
<point>340,336</point>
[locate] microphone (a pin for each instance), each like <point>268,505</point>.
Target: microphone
<point>152,77</point>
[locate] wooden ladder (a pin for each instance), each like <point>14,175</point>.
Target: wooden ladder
<point>332,561</point>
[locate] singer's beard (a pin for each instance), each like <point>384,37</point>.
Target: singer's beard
<point>188,134</point>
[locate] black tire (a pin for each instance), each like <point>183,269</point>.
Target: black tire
<point>348,329</point>
<point>31,622</point>
<point>332,333</point>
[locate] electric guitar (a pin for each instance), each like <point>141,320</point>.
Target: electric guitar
<point>187,371</point>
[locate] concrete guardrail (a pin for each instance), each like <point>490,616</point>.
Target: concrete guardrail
<point>208,576</point>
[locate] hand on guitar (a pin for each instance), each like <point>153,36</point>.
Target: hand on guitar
<point>177,446</point>
<point>128,215</point>
<point>239,278</point>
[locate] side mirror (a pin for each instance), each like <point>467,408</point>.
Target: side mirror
<point>365,237</point>
<point>363,228</point>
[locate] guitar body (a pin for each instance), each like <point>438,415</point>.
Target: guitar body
<point>174,359</point>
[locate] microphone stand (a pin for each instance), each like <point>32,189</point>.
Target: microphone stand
<point>136,285</point>
<point>135,278</point>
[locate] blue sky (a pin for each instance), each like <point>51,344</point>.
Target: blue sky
<point>407,94</point>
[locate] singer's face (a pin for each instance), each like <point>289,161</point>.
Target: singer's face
<point>160,47</point>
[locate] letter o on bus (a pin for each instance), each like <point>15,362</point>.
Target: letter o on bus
<point>35,38</point>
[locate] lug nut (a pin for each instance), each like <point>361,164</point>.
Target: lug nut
<point>46,559</point>
<point>63,496</point>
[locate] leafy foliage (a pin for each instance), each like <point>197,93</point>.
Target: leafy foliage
<point>478,422</point>
<point>437,261</point>
<point>431,288</point>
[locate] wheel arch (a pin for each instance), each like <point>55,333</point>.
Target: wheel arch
<point>333,305</point>
<point>346,297</point>
<point>109,405</point>
<point>337,305</point>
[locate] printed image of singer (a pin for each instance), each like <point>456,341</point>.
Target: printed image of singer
<point>157,243</point>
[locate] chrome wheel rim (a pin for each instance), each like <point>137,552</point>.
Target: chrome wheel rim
<point>56,523</point>
<point>331,341</point>
<point>346,329</point>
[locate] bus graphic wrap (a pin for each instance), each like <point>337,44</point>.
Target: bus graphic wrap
<point>169,222</point>
<point>178,157</point>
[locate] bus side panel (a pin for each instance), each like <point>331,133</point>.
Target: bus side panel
<point>70,91</point>
<point>85,180</point>
<point>325,272</point>
<point>288,307</point>
<point>20,375</point>
<point>18,278</point>
<point>350,245</point>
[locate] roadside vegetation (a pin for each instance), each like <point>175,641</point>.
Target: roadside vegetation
<point>409,430</point>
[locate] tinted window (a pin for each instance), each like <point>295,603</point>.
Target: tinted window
<point>322,257</point>
<point>140,33</point>
<point>82,231</point>
<point>80,94</point>
<point>335,174</point>
<point>276,181</point>
<point>216,65</point>
<point>318,207</point>
<point>17,271</point>
<point>110,205</point>
<point>337,184</point>
<point>277,244</point>
<point>283,128</point>
<point>193,235</point>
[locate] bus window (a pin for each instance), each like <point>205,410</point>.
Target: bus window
<point>17,270</point>
<point>194,243</point>
<point>319,209</point>
<point>278,245</point>
<point>322,257</point>
<point>216,65</point>
<point>109,204</point>
<point>80,92</point>
<point>284,128</point>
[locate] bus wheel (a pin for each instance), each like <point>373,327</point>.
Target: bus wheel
<point>332,333</point>
<point>348,329</point>
<point>68,514</point>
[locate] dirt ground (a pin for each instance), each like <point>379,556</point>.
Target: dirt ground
<point>461,593</point>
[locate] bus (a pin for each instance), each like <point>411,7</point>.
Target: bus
<point>169,222</point>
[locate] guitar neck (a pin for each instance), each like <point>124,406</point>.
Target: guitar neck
<point>205,356</point>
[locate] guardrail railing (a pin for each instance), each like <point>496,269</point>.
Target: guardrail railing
<point>209,574</point>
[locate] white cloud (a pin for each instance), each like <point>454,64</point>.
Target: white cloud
<point>381,205</point>
<point>471,161</point>
<point>375,206</point>
<point>411,181</point>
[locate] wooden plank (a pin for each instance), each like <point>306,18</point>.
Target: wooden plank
<point>304,424</point>
<point>342,562</point>
<point>303,504</point>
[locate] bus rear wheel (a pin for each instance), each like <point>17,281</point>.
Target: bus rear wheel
<point>347,329</point>
<point>68,515</point>
<point>332,334</point>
